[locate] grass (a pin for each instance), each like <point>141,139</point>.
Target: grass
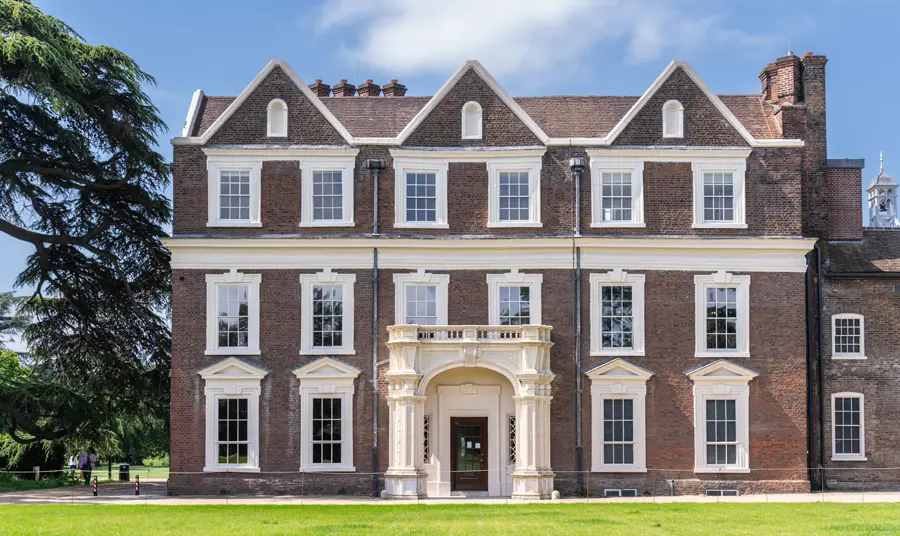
<point>9,483</point>
<point>570,519</point>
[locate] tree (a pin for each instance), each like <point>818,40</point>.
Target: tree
<point>10,322</point>
<point>82,182</point>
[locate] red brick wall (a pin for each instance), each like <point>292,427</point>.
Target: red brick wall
<point>704,125</point>
<point>306,125</point>
<point>443,126</point>
<point>845,203</point>
<point>877,377</point>
<point>777,404</point>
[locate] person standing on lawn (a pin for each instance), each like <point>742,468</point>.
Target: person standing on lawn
<point>85,465</point>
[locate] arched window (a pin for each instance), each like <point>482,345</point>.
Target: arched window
<point>673,119</point>
<point>471,121</point>
<point>277,118</point>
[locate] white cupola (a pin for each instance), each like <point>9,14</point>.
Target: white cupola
<point>883,199</point>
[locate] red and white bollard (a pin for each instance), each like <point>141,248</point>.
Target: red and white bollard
<point>95,486</point>
<point>137,484</point>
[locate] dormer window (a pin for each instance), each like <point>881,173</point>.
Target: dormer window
<point>673,119</point>
<point>277,119</point>
<point>471,121</point>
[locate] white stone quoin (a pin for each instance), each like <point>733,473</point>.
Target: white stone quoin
<point>519,353</point>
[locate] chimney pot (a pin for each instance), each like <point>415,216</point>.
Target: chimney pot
<point>369,89</point>
<point>394,89</point>
<point>319,89</point>
<point>808,54</point>
<point>343,89</point>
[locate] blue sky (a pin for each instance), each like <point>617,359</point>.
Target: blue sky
<point>533,47</point>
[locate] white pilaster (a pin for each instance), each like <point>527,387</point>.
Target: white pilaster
<point>405,477</point>
<point>533,478</point>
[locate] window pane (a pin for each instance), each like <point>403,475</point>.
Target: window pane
<point>718,197</point>
<point>327,198</point>
<point>234,193</point>
<point>616,322</point>
<point>515,305</point>
<point>514,196</point>
<point>421,197</point>
<point>721,318</point>
<point>327,315</point>
<point>421,304</point>
<point>615,196</point>
<point>618,431</point>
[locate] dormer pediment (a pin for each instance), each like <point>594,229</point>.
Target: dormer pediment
<point>232,368</point>
<point>720,371</point>
<point>619,369</point>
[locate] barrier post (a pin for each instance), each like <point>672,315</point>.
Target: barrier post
<point>137,484</point>
<point>37,472</point>
<point>95,486</point>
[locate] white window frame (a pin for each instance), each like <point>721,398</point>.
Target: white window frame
<point>617,277</point>
<point>616,164</point>
<point>327,277</point>
<point>722,380</point>
<point>347,166</point>
<point>862,336</point>
<point>478,116</point>
<point>514,278</point>
<point>214,168</point>
<point>402,166</point>
<point>722,279</point>
<point>738,168</point>
<point>619,379</point>
<point>665,121</point>
<point>421,277</point>
<point>530,165</point>
<point>233,277</point>
<point>326,378</point>
<point>861,457</point>
<point>232,378</point>
<point>270,130</point>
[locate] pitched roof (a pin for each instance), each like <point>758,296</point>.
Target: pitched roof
<point>554,119</point>
<point>576,117</point>
<point>375,117</point>
<point>879,251</point>
<point>559,116</point>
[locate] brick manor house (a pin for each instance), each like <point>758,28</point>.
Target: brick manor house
<point>476,294</point>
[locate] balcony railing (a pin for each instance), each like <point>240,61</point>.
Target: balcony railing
<point>469,334</point>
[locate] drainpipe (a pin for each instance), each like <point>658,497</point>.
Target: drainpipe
<point>577,166</point>
<point>810,342</point>
<point>375,165</point>
<point>819,276</point>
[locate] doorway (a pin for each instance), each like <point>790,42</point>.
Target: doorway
<point>469,449</point>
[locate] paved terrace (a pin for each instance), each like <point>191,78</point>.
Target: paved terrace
<point>154,492</point>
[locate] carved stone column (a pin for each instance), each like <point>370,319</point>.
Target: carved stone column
<point>533,477</point>
<point>405,477</point>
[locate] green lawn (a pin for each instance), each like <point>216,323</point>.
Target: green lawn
<point>569,519</point>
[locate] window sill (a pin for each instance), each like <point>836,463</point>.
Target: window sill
<point>723,470</point>
<point>849,459</point>
<point>233,351</point>
<point>335,223</point>
<point>720,226</point>
<point>332,469</point>
<point>513,224</point>
<point>617,353</point>
<point>847,357</point>
<point>234,224</point>
<point>614,224</point>
<point>623,469</point>
<point>236,469</point>
<point>723,355</point>
<point>421,226</point>
<point>328,351</point>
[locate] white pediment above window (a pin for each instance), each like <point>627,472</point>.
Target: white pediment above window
<point>722,370</point>
<point>326,368</point>
<point>232,369</point>
<point>618,370</point>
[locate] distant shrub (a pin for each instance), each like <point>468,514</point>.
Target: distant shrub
<point>156,461</point>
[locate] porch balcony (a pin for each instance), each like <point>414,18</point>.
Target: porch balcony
<point>419,353</point>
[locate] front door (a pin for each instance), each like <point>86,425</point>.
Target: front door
<point>469,449</point>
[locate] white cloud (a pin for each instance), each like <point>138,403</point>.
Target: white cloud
<point>520,37</point>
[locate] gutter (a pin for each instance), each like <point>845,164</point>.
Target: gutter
<point>863,275</point>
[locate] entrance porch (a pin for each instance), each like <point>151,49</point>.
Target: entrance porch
<point>469,411</point>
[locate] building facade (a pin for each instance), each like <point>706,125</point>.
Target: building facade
<point>472,294</point>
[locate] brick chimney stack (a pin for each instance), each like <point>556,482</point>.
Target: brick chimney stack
<point>369,89</point>
<point>343,89</point>
<point>319,89</point>
<point>394,89</point>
